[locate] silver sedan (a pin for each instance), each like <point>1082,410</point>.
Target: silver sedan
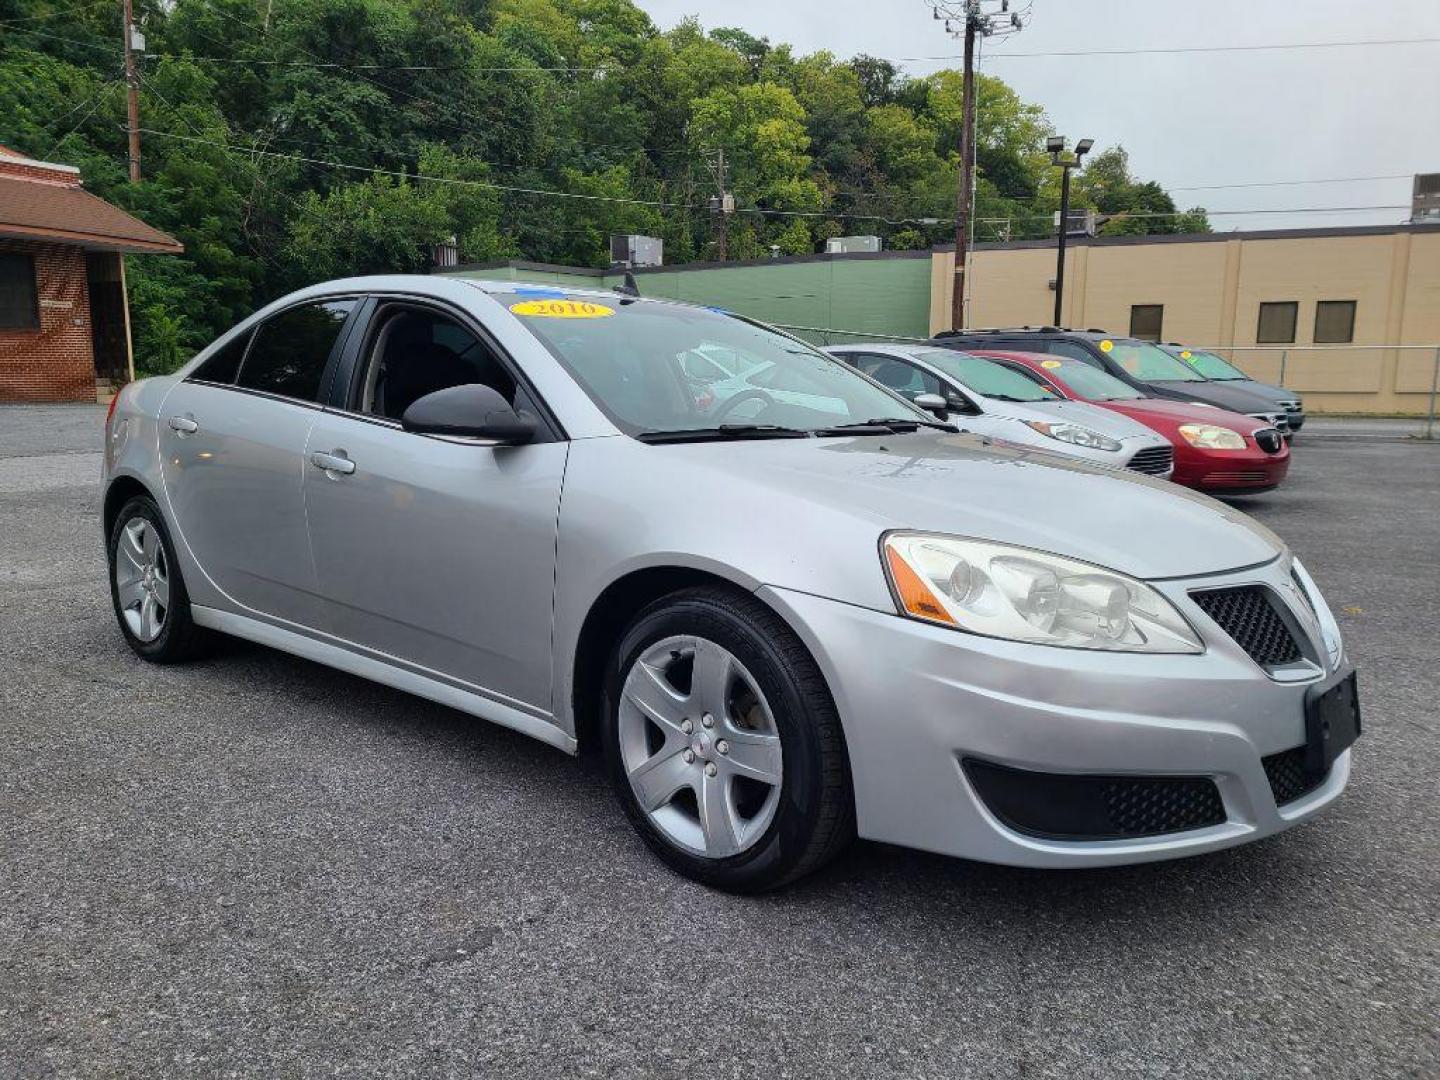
<point>787,611</point>
<point>988,398</point>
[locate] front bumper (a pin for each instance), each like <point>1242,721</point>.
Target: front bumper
<point>918,700</point>
<point>1251,470</point>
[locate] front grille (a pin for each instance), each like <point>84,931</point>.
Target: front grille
<point>1288,777</point>
<point>1237,477</point>
<point>1270,440</point>
<point>1249,615</point>
<point>1065,807</point>
<point>1154,460</point>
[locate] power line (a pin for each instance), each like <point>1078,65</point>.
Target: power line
<point>513,189</point>
<point>56,13</point>
<point>522,70</point>
<point>94,102</point>
<point>67,40</point>
<point>1118,214</point>
<point>1290,183</point>
<point>1187,49</point>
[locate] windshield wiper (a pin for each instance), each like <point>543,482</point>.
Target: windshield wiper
<point>724,431</point>
<point>885,425</point>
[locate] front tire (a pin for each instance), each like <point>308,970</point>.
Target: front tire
<point>723,744</point>
<point>146,586</point>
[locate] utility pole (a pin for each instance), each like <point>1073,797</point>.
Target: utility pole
<point>972,20</point>
<point>722,202</point>
<point>132,84</point>
<point>967,179</point>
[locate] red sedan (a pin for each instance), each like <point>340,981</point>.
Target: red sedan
<point>1216,451</point>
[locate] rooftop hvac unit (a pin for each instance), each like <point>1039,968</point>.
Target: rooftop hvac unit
<point>847,245</point>
<point>1425,202</point>
<point>633,250</point>
<point>1082,223</point>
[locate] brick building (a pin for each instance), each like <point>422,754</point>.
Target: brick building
<point>64,321</point>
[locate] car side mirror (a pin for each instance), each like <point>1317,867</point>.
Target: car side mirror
<point>932,403</point>
<point>961,405</point>
<point>474,411</point>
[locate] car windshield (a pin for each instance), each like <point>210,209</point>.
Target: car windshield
<point>656,367</point>
<point>984,377</point>
<point>1092,384</point>
<point>1212,366</point>
<point>1150,363</point>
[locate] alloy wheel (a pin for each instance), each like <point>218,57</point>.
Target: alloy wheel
<point>142,579</point>
<point>700,747</point>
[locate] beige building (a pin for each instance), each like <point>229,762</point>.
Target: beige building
<point>1322,303</point>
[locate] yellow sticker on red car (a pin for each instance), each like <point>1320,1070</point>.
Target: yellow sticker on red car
<point>1106,345</point>
<point>1052,364</point>
<point>562,309</point>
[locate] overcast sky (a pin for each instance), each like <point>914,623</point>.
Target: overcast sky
<point>1188,120</point>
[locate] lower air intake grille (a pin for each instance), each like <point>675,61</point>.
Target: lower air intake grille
<point>1066,807</point>
<point>1248,614</point>
<point>1154,460</point>
<point>1288,777</point>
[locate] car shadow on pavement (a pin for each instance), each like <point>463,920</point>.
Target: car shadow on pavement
<point>1278,874</point>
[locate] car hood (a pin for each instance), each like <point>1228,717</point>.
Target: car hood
<point>1272,394</point>
<point>1078,412</point>
<point>1175,413</point>
<point>968,485</point>
<point>1235,398</point>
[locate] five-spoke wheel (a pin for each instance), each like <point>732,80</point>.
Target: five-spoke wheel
<point>723,742</point>
<point>700,746</point>
<point>142,582</point>
<point>147,588</point>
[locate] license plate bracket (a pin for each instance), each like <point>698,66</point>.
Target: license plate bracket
<point>1332,722</point>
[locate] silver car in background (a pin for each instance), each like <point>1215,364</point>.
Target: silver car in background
<point>782,624</point>
<point>988,398</point>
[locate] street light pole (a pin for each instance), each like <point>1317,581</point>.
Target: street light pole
<point>1056,145</point>
<point>1060,247</point>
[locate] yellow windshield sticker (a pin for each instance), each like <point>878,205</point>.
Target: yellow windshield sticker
<point>1052,364</point>
<point>1186,354</point>
<point>562,309</point>
<point>1106,345</point>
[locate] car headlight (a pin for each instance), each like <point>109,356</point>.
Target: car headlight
<point>1073,433</point>
<point>1212,437</point>
<point>1018,594</point>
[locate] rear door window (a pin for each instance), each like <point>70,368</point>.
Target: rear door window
<point>291,350</point>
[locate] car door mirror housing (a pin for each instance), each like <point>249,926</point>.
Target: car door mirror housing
<point>474,411</point>
<point>959,404</point>
<point>932,403</point>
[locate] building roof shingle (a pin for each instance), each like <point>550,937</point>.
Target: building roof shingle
<point>66,213</point>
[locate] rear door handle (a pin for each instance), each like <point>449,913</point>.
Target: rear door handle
<point>335,462</point>
<point>184,425</point>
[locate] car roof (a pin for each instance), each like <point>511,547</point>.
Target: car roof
<point>1091,334</point>
<point>1020,354</point>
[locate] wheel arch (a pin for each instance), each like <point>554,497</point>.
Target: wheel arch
<point>121,490</point>
<point>614,608</point>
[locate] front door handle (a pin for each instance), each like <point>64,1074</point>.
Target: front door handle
<point>183,425</point>
<point>335,463</point>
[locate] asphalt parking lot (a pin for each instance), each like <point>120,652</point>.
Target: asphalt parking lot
<point>256,866</point>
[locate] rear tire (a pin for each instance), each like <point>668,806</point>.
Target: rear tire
<point>147,590</point>
<point>746,787</point>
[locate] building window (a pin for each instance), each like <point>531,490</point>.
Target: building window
<point>1145,321</point>
<point>18,307</point>
<point>1335,321</point>
<point>1277,323</point>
